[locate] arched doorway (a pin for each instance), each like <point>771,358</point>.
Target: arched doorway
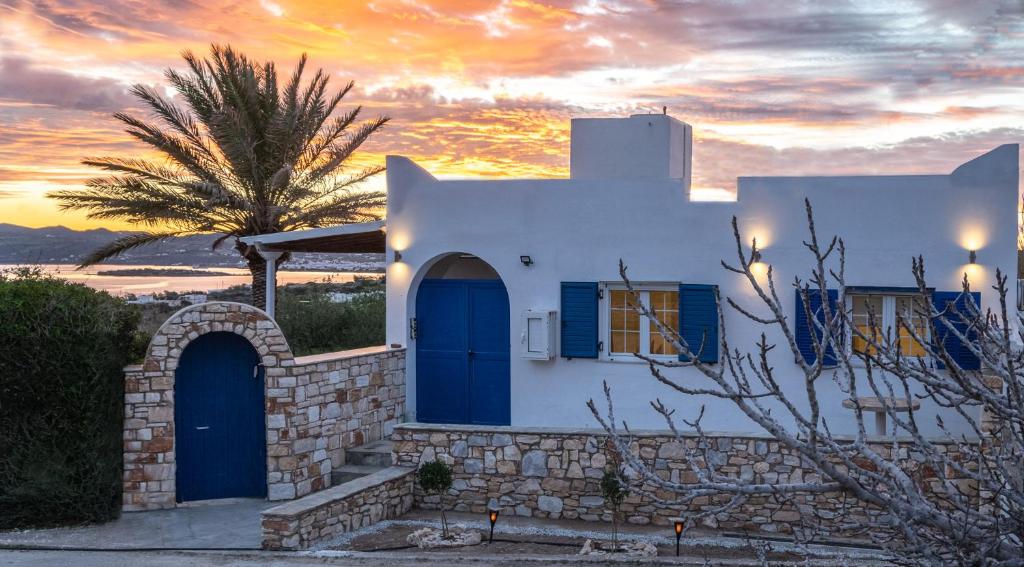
<point>462,344</point>
<point>220,440</point>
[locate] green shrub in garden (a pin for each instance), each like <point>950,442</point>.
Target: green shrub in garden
<point>62,350</point>
<point>313,324</point>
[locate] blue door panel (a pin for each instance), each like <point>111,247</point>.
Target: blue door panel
<point>489,354</point>
<point>462,352</point>
<point>441,343</point>
<point>442,396</point>
<point>440,325</point>
<point>220,443</point>
<point>488,310</point>
<point>489,392</point>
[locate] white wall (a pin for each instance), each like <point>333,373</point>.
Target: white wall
<point>578,229</point>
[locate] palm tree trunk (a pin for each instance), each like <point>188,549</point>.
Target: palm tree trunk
<point>258,270</point>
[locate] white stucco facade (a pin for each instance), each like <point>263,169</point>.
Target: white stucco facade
<point>628,198</point>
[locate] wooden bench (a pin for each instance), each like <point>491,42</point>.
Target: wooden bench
<point>877,406</point>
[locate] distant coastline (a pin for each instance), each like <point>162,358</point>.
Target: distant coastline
<point>165,272</point>
<point>200,273</point>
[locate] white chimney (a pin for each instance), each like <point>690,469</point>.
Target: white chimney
<point>643,146</point>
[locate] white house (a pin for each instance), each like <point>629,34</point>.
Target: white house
<point>479,269</point>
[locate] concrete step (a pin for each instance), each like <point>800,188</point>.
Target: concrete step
<point>346,473</point>
<point>377,453</point>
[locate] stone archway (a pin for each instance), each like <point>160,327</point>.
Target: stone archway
<point>149,441</point>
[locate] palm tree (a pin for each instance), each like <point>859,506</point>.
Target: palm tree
<point>241,157</point>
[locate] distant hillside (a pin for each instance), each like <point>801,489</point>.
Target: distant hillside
<point>61,245</point>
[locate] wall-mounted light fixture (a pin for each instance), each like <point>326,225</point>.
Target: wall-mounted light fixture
<point>526,260</point>
<point>398,256</point>
<point>972,257</point>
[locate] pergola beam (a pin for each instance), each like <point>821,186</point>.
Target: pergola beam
<point>367,237</point>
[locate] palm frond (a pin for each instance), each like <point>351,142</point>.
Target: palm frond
<point>123,244</point>
<point>345,151</point>
<point>348,207</point>
<point>246,153</point>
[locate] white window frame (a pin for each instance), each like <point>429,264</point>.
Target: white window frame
<point>888,317</point>
<point>604,308</point>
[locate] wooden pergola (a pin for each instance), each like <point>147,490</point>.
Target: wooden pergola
<point>367,237</point>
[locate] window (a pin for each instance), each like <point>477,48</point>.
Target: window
<point>886,308</point>
<point>628,334</point>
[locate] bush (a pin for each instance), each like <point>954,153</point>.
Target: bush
<point>313,324</point>
<point>63,347</point>
<point>435,477</point>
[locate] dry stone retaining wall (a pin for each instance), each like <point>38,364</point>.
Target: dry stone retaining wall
<point>315,406</point>
<point>320,517</point>
<point>556,473</point>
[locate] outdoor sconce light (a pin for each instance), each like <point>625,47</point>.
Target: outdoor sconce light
<point>398,256</point>
<point>972,257</point>
<point>678,524</point>
<point>492,515</point>
<point>526,260</point>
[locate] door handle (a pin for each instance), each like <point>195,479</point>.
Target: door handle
<point>470,353</point>
<point>202,427</point>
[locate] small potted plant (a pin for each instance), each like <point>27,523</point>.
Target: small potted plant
<point>435,477</point>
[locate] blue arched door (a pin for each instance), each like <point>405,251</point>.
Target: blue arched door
<point>462,352</point>
<point>220,440</point>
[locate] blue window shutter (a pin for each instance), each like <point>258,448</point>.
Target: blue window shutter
<point>959,352</point>
<point>698,321</point>
<point>579,319</point>
<point>804,328</point>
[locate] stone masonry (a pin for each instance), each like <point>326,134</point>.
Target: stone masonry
<point>556,473</point>
<point>320,517</point>
<point>316,406</point>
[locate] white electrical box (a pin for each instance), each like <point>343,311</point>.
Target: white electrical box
<point>538,336</point>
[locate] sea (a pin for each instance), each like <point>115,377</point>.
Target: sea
<point>150,284</point>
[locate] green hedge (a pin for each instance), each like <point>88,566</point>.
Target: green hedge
<point>62,350</point>
<point>313,324</point>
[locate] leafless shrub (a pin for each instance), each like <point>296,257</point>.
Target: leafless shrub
<point>954,499</point>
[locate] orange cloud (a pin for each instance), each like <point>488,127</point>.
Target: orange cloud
<point>485,88</point>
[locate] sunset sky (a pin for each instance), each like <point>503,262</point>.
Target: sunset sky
<point>487,87</point>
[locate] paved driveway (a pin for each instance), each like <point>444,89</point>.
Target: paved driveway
<point>221,524</point>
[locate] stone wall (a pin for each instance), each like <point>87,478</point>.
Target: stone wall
<point>318,518</point>
<point>316,406</point>
<point>556,473</point>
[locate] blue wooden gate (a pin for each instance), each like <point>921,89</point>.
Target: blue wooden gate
<point>220,440</point>
<point>462,352</point>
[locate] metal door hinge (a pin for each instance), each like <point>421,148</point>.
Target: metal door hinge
<point>600,346</point>
<point>413,329</point>
<point>600,293</point>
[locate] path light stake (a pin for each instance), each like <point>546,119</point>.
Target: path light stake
<point>678,522</point>
<point>492,515</point>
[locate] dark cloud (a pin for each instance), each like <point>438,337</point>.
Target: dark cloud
<point>717,162</point>
<point>22,82</point>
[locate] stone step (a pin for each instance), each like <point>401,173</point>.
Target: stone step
<point>377,454</point>
<point>346,473</point>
